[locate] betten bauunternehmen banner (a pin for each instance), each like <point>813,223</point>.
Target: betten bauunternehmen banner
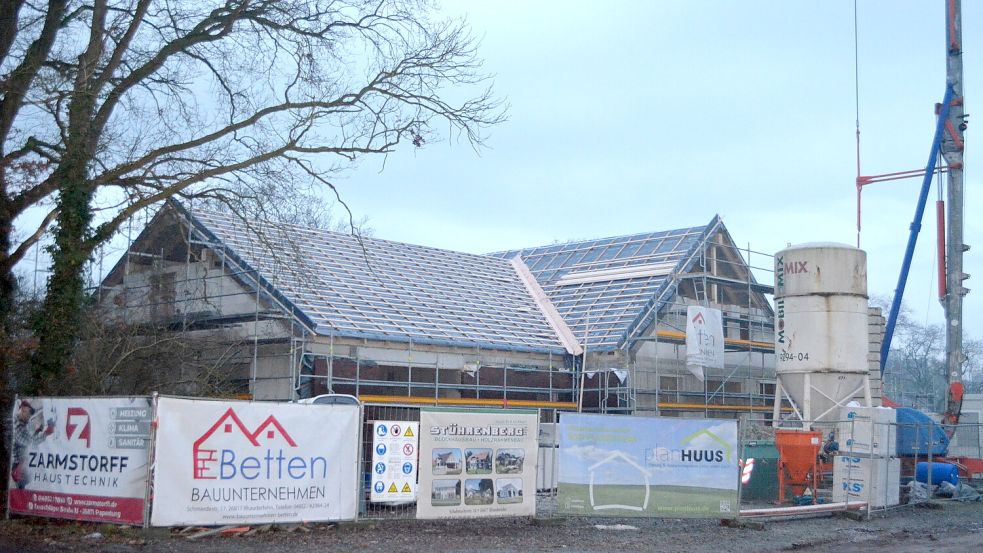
<point>224,462</point>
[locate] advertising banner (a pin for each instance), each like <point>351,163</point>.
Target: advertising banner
<point>613,465</point>
<point>704,339</point>
<point>394,461</point>
<point>239,462</point>
<point>80,458</point>
<point>477,463</point>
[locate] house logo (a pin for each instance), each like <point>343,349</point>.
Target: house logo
<point>706,455</point>
<point>212,463</point>
<point>698,319</point>
<point>77,419</point>
<point>620,462</point>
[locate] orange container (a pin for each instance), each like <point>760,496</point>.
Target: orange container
<point>798,461</point>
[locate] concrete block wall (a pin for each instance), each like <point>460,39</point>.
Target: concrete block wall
<point>875,337</point>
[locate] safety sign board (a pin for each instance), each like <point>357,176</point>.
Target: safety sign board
<point>394,461</point>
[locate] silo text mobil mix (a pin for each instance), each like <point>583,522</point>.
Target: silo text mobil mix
<point>821,326</point>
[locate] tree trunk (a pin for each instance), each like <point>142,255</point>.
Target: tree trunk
<point>8,301</point>
<point>59,323</point>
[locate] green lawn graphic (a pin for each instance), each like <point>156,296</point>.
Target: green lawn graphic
<point>664,501</point>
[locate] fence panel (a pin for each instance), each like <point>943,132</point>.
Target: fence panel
<point>80,458</point>
<point>402,508</point>
<point>237,462</point>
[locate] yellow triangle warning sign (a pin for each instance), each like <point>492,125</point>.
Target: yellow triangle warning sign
<point>392,488</point>
<point>408,433</point>
<point>406,488</point>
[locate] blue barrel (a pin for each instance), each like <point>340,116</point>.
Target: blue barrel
<point>941,472</point>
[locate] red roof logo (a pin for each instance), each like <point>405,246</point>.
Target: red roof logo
<point>698,319</point>
<point>230,427</point>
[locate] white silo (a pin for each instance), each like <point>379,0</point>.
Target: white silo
<point>821,340</point>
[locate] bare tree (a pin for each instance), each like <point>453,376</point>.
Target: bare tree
<point>116,357</point>
<point>915,371</point>
<point>973,368</point>
<point>125,103</point>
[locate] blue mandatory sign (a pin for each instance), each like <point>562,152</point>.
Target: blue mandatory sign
<point>380,468</point>
<point>380,487</point>
<point>381,430</point>
<point>407,468</point>
<point>380,449</point>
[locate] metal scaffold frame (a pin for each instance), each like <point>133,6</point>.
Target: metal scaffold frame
<point>214,289</point>
<point>221,293</point>
<point>706,284</point>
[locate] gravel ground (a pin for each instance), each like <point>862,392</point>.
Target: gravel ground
<point>953,528</point>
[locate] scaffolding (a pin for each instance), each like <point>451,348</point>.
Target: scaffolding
<point>652,375</point>
<point>180,276</point>
<point>176,276</point>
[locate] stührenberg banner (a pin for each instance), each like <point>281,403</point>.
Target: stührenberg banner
<point>237,462</point>
<point>477,463</point>
<point>704,339</point>
<point>613,465</point>
<point>80,458</point>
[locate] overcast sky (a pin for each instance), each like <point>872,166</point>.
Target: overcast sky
<point>639,116</point>
<point>636,116</point>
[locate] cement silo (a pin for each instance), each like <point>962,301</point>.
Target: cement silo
<point>821,340</point>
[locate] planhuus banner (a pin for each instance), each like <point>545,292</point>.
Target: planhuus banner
<point>614,465</point>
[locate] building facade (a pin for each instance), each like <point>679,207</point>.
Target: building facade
<point>598,323</point>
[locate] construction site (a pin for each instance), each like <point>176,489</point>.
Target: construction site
<point>598,324</point>
<point>294,388</point>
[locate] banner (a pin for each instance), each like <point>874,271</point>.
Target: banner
<point>477,463</point>
<point>238,462</point>
<point>615,465</point>
<point>394,461</point>
<point>82,459</point>
<point>704,339</point>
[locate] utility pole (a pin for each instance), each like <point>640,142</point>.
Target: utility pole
<point>952,151</point>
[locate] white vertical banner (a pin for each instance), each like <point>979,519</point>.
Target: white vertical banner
<point>704,339</point>
<point>394,461</point>
<point>238,462</point>
<point>477,463</point>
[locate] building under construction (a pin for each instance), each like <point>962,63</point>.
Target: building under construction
<point>596,323</point>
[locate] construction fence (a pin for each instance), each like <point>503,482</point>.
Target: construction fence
<point>170,461</point>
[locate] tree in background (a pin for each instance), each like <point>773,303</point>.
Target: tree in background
<point>915,373</point>
<point>122,104</point>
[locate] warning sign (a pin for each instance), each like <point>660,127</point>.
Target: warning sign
<point>394,462</point>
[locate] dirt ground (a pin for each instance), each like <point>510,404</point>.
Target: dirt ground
<point>952,528</point>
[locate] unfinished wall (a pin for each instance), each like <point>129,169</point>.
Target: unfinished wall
<point>875,333</point>
<point>663,383</point>
<point>373,367</point>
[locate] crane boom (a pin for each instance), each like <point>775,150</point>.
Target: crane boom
<point>952,152</point>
